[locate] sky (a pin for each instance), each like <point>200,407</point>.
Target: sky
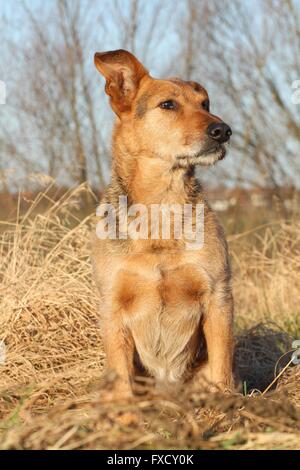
<point>160,59</point>
<point>14,26</point>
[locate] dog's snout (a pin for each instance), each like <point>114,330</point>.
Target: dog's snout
<point>219,131</point>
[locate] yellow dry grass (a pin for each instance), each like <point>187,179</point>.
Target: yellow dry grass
<point>51,391</point>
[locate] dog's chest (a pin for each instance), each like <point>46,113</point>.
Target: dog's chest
<point>162,309</point>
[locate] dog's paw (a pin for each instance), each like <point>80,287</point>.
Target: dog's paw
<point>116,394</point>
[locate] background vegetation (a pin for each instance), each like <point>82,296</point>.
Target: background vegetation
<point>55,147</point>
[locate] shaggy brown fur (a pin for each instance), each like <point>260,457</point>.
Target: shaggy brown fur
<point>169,306</point>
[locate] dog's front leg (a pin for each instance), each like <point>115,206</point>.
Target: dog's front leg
<point>218,331</point>
<point>119,350</point>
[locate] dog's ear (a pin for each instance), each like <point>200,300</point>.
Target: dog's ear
<point>123,73</point>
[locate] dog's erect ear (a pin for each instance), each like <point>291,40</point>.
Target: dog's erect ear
<point>123,73</point>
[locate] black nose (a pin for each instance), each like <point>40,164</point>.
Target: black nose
<point>219,131</point>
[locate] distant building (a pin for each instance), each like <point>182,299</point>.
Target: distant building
<point>222,199</point>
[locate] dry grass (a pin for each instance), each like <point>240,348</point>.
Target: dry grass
<point>266,265</point>
<point>51,394</point>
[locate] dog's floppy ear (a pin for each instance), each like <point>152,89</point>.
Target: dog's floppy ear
<point>123,73</point>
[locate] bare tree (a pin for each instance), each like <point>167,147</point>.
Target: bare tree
<point>56,119</point>
<point>52,94</point>
<point>248,63</point>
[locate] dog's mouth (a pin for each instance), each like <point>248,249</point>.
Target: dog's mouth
<point>219,150</point>
<point>206,156</point>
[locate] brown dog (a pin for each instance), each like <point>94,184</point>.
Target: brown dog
<point>167,306</point>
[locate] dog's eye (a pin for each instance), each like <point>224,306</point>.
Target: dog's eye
<point>170,104</point>
<point>205,105</point>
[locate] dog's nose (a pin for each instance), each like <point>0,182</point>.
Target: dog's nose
<point>219,131</point>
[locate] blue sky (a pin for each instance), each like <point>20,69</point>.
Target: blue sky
<point>15,28</point>
<point>161,58</point>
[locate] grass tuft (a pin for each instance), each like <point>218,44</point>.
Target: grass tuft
<point>52,395</point>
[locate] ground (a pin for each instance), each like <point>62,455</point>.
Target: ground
<point>52,392</point>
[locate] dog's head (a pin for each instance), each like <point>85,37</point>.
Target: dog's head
<point>167,119</point>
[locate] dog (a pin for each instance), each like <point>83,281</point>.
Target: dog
<point>165,309</point>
